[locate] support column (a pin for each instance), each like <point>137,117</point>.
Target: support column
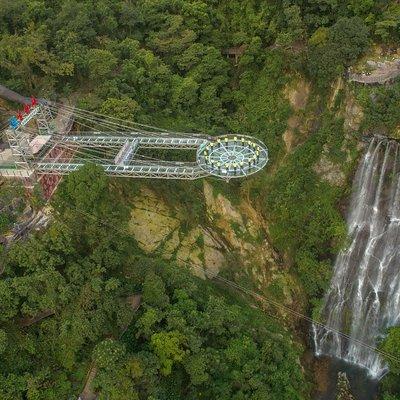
<point>22,153</point>
<point>44,119</point>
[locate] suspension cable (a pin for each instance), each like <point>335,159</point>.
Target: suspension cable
<point>122,123</point>
<point>258,296</point>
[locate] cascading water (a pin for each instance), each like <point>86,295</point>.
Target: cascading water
<point>364,295</point>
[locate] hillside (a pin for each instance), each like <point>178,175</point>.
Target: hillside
<point>273,70</point>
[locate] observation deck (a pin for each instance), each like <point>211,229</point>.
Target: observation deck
<point>117,149</point>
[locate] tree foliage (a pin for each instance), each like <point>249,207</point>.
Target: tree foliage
<point>63,308</point>
<point>382,108</point>
<point>164,62</point>
<point>343,44</point>
<point>391,346</point>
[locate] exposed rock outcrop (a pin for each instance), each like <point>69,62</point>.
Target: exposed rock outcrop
<point>343,388</point>
<point>353,114</point>
<point>235,237</point>
<point>329,170</point>
<point>297,94</point>
<point>381,72</point>
<point>152,221</point>
<point>333,171</point>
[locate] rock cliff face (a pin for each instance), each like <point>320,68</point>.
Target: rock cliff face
<point>234,240</point>
<point>297,93</point>
<point>352,115</point>
<point>303,122</point>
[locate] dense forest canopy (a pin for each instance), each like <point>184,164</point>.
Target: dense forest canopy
<point>164,60</point>
<point>63,308</point>
<point>187,340</point>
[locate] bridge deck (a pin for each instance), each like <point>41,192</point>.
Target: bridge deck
<point>150,142</point>
<point>10,171</point>
<point>172,171</point>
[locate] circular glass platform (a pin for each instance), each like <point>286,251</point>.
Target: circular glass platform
<point>232,156</point>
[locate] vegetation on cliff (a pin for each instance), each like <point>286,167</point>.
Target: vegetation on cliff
<point>391,382</point>
<point>63,307</point>
<point>165,63</point>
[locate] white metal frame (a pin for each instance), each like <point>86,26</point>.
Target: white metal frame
<point>226,156</point>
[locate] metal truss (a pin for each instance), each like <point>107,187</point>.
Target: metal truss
<point>19,145</point>
<point>127,152</point>
<point>18,138</point>
<point>43,119</point>
<point>16,173</point>
<point>225,156</point>
<point>187,171</point>
<point>148,142</point>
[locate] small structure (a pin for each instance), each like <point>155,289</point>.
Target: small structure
<point>127,152</point>
<point>234,53</point>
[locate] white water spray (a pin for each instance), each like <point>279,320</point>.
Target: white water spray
<point>364,295</point>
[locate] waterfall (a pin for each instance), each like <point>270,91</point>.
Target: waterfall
<point>364,294</point>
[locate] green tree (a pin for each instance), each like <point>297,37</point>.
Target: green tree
<point>388,25</point>
<point>154,292</point>
<point>26,58</point>
<point>168,346</point>
<point>85,203</point>
<point>381,107</point>
<point>347,39</point>
<point>107,353</point>
<point>295,27</point>
<point>3,340</point>
<point>391,345</point>
<point>100,63</point>
<point>125,108</point>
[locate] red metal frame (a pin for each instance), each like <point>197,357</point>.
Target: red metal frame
<point>49,182</point>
